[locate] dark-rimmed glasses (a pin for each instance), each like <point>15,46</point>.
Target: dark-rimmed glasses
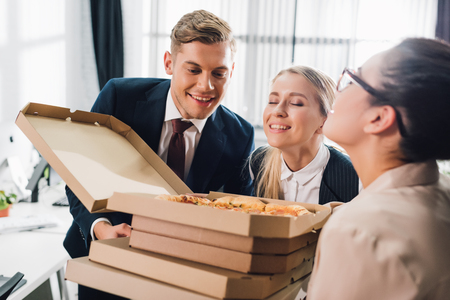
<point>348,76</point>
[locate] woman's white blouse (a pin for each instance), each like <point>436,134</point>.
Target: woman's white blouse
<point>304,185</point>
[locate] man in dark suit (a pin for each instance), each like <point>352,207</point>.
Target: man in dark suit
<point>217,143</point>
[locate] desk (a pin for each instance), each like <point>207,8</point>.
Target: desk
<point>38,254</point>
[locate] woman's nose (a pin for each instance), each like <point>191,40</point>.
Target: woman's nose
<point>280,111</point>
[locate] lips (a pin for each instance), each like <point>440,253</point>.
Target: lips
<point>279,127</point>
<point>204,99</point>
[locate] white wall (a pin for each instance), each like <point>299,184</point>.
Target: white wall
<point>32,66</point>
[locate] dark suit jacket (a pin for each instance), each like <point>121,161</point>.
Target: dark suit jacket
<point>225,144</point>
<point>339,181</point>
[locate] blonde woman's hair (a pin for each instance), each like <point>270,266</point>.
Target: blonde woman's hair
<point>201,26</point>
<point>269,174</point>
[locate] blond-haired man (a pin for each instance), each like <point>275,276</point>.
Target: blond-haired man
<point>201,64</point>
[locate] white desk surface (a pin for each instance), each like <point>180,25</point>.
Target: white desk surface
<point>38,253</point>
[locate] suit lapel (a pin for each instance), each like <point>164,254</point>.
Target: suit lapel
<point>325,194</point>
<point>150,114</point>
<point>208,154</point>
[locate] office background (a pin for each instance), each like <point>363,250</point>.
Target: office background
<point>47,51</point>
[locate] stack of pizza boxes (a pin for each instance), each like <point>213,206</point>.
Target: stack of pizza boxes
<point>175,250</point>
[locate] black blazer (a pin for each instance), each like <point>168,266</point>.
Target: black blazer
<point>339,181</point>
<point>226,142</point>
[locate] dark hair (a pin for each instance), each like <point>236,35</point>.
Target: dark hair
<point>417,83</point>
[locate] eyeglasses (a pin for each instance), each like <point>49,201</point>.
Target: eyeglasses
<point>348,76</point>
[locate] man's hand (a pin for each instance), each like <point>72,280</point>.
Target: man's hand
<point>104,230</point>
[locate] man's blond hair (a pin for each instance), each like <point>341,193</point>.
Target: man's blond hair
<point>201,26</point>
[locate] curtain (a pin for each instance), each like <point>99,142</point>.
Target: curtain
<point>443,20</point>
<point>82,86</point>
<point>275,34</point>
<point>108,39</point>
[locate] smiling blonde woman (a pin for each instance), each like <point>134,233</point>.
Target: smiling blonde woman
<point>297,166</point>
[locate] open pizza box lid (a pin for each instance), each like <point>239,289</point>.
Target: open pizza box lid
<point>96,154</point>
<point>110,168</point>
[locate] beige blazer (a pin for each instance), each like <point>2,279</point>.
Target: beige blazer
<point>391,242</point>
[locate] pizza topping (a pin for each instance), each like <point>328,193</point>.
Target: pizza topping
<point>242,203</point>
<point>185,199</point>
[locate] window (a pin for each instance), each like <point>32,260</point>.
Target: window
<point>32,66</point>
<point>274,34</point>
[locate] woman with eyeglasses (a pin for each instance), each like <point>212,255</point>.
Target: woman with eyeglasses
<point>393,240</point>
<point>297,166</point>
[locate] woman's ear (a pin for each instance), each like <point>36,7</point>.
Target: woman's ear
<point>380,119</point>
<point>320,129</point>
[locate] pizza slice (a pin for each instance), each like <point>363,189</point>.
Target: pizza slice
<point>185,199</point>
<point>223,202</point>
<point>285,210</point>
<point>248,204</point>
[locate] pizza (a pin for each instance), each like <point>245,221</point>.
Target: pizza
<point>186,199</point>
<point>240,203</point>
<point>292,210</point>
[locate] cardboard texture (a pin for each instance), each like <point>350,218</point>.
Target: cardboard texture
<point>221,239</point>
<point>205,279</point>
<point>85,272</point>
<point>108,166</point>
<point>96,154</point>
<point>220,257</point>
<point>221,220</point>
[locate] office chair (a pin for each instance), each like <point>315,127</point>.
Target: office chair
<point>7,288</point>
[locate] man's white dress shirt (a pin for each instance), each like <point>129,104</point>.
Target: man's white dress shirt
<point>191,135</point>
<point>191,138</point>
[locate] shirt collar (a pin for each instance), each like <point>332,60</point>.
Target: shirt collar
<point>411,174</point>
<point>304,175</point>
<point>173,113</point>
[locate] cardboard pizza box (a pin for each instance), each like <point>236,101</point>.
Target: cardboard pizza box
<point>96,154</point>
<point>225,240</point>
<point>108,279</point>
<point>234,222</point>
<point>109,167</point>
<point>114,281</point>
<point>201,278</point>
<point>220,257</point>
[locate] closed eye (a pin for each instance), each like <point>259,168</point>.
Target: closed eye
<point>219,74</point>
<point>193,71</point>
